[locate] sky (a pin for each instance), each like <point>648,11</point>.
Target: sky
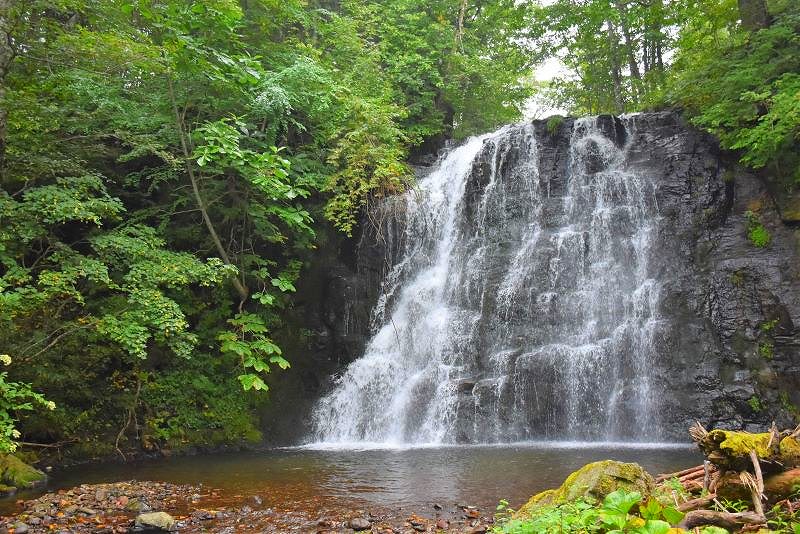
<point>534,108</point>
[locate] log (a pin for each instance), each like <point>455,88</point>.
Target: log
<point>777,486</point>
<point>692,485</point>
<point>677,474</point>
<point>694,504</point>
<point>692,476</point>
<point>699,518</point>
<point>730,450</point>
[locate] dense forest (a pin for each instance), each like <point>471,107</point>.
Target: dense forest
<point>168,169</point>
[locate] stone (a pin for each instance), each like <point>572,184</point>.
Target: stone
<point>360,523</point>
<point>442,524</point>
<point>593,482</point>
<point>20,528</point>
<point>138,505</point>
<point>15,472</point>
<point>154,521</point>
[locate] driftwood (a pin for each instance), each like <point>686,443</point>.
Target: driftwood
<point>678,474</point>
<point>758,467</point>
<point>695,504</point>
<point>733,450</point>
<point>777,486</point>
<point>699,518</point>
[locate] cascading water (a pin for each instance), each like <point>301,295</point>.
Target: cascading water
<point>521,305</point>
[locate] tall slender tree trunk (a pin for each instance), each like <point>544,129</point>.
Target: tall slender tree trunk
<point>459,40</point>
<point>754,14</point>
<point>630,50</point>
<point>241,289</point>
<point>616,75</point>
<point>7,54</point>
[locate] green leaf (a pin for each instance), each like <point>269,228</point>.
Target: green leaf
<point>672,515</point>
<point>251,381</point>
<point>651,509</point>
<point>621,501</point>
<point>282,363</point>
<point>283,284</point>
<point>654,526</point>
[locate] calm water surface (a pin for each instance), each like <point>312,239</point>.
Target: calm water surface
<point>407,479</point>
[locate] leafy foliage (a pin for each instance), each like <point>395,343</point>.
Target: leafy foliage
<point>613,516</point>
<point>15,397</point>
<point>166,166</point>
<point>743,86</point>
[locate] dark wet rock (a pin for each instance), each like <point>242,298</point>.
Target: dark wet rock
<point>359,523</point>
<point>730,310</point>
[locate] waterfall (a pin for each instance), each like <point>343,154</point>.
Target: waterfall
<point>522,304</point>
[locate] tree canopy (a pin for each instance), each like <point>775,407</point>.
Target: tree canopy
<point>166,167</point>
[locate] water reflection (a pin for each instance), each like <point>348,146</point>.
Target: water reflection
<point>407,479</point>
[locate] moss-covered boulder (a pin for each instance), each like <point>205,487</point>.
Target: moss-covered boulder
<point>14,472</point>
<point>593,482</point>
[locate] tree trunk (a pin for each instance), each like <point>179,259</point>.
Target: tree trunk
<point>616,76</point>
<point>7,54</point>
<point>633,65</point>
<point>458,43</point>
<point>777,487</point>
<point>754,14</point>
<point>243,291</point>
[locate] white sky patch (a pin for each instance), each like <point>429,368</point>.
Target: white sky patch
<point>535,107</point>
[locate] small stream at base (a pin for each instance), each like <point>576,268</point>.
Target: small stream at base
<point>315,481</point>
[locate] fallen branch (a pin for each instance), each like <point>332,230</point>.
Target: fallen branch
<point>694,504</point>
<point>698,518</point>
<point>777,486</point>
<point>678,474</point>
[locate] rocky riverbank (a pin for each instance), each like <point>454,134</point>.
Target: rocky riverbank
<point>158,507</point>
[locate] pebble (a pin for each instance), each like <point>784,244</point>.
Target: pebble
<point>360,523</point>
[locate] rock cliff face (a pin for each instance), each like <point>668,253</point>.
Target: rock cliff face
<point>725,351</point>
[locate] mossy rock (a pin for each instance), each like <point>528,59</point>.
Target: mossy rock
<point>15,472</point>
<point>790,451</point>
<point>593,482</point>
